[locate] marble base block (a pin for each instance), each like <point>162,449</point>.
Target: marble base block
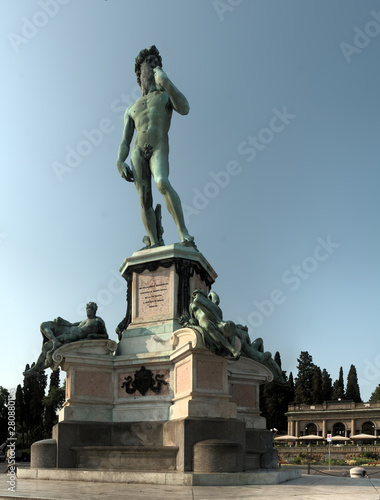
<point>244,378</point>
<point>89,379</point>
<point>159,399</point>
<point>200,379</point>
<point>160,283</point>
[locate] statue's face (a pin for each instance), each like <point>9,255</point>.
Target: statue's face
<point>147,66</point>
<point>90,310</point>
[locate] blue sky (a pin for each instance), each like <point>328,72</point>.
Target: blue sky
<point>277,166</point>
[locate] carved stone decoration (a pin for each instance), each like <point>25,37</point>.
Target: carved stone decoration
<point>143,381</point>
<point>128,316</point>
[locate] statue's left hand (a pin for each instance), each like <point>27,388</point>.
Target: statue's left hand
<point>160,77</point>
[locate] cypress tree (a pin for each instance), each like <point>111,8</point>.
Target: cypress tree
<point>291,388</point>
<point>20,414</point>
<point>3,414</point>
<point>316,392</point>
<point>326,386</point>
<point>274,401</point>
<point>52,402</point>
<point>34,392</point>
<point>352,389</point>
<point>375,396</point>
<point>303,384</point>
<point>277,359</point>
<point>338,387</point>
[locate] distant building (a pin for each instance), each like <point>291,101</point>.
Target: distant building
<point>338,418</point>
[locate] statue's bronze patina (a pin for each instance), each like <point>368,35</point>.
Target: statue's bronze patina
<point>59,331</point>
<point>150,116</point>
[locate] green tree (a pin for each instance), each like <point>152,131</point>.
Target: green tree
<point>34,392</point>
<point>375,396</point>
<point>304,381</point>
<point>3,414</point>
<point>316,391</point>
<point>52,402</point>
<point>20,415</point>
<point>338,387</point>
<point>291,388</point>
<point>326,386</point>
<point>352,389</point>
<point>274,401</point>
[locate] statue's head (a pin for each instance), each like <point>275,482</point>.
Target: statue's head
<point>142,55</point>
<point>197,292</point>
<point>91,307</point>
<point>214,297</point>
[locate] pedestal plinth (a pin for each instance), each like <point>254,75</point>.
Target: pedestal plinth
<point>245,377</point>
<point>160,283</point>
<point>200,379</point>
<point>163,401</point>
<point>89,380</point>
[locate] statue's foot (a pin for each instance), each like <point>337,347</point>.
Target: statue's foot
<point>32,371</point>
<point>186,238</point>
<point>187,241</point>
<point>235,354</point>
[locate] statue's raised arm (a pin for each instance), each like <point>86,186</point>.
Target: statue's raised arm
<point>177,99</point>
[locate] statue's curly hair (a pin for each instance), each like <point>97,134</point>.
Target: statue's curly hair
<point>93,305</point>
<point>142,56</point>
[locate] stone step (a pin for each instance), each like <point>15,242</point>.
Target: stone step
<point>161,478</point>
<point>145,458</point>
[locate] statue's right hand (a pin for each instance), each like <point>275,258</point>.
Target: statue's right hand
<point>125,171</point>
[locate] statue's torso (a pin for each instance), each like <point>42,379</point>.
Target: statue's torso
<point>91,325</point>
<point>152,115</point>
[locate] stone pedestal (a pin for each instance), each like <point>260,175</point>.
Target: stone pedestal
<point>89,380</point>
<point>200,379</point>
<point>160,283</point>
<point>159,399</point>
<point>245,377</point>
<point>136,405</point>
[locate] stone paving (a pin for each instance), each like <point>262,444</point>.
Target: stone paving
<point>308,487</point>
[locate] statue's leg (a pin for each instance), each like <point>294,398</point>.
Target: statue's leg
<point>42,361</point>
<point>220,339</point>
<point>46,329</point>
<point>70,334</point>
<point>143,183</point>
<point>258,344</point>
<point>159,165</point>
<point>276,370</point>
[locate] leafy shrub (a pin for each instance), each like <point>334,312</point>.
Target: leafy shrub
<point>336,461</point>
<point>370,454</point>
